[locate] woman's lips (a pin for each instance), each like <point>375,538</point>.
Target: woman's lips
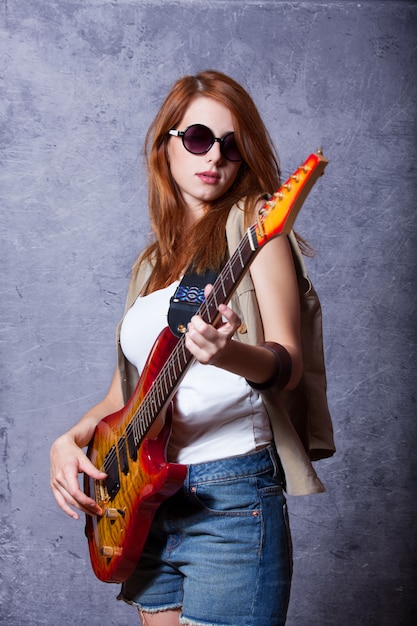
<point>210,178</point>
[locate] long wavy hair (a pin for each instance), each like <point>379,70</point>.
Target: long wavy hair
<point>172,249</point>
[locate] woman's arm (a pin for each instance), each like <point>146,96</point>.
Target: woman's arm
<point>275,282</point>
<point>68,458</point>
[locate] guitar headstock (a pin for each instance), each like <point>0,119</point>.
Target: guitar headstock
<point>278,214</point>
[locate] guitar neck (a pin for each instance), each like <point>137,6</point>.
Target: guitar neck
<point>275,218</point>
<point>180,359</point>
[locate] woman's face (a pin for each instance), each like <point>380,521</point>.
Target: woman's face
<point>202,178</point>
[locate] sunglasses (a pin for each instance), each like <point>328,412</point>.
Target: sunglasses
<point>198,139</point>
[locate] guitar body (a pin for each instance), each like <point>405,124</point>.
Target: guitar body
<point>138,481</point>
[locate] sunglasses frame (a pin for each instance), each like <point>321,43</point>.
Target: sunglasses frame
<point>220,140</point>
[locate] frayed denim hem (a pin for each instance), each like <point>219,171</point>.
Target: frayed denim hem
<point>167,607</point>
<point>183,620</point>
<point>190,622</point>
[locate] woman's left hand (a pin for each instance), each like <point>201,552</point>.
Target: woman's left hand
<point>206,342</point>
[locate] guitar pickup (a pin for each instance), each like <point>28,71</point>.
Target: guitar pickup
<point>123,460</point>
<point>132,447</point>
<point>111,467</point>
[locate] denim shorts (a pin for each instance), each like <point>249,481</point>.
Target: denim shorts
<point>220,549</point>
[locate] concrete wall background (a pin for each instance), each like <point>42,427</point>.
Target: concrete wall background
<point>81,81</point>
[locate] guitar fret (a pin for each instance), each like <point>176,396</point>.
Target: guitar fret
<point>165,383</point>
<point>229,279</point>
<point>174,369</point>
<point>183,352</point>
<point>143,424</point>
<point>236,268</point>
<point>179,353</point>
<point>205,306</point>
<point>215,301</point>
<point>153,407</point>
<point>223,287</point>
<point>207,317</point>
<point>136,434</point>
<point>158,397</point>
<point>240,255</point>
<point>230,268</point>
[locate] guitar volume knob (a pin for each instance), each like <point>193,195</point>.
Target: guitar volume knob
<point>110,551</point>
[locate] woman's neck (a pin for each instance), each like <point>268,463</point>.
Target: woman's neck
<point>193,214</point>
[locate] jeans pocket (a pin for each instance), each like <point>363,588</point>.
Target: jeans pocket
<point>237,496</point>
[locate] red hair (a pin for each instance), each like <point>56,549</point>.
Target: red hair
<point>172,251</point>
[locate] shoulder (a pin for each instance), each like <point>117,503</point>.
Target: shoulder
<point>140,275</point>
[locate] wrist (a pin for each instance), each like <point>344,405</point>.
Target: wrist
<point>282,373</point>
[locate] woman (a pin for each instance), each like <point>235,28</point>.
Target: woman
<point>219,551</point>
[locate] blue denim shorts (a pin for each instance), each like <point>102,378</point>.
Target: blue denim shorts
<point>220,549</point>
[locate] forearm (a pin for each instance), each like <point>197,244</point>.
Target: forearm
<point>279,364</point>
<point>259,364</point>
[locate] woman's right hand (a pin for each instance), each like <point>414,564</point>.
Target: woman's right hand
<point>67,461</point>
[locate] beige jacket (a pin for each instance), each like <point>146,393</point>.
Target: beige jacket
<point>300,419</point>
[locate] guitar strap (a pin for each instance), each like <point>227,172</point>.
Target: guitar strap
<point>187,299</point>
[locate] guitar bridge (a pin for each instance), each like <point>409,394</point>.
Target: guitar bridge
<point>100,491</point>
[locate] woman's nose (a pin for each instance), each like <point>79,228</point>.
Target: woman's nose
<point>214,154</point>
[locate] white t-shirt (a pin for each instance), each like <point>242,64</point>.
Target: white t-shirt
<point>216,413</point>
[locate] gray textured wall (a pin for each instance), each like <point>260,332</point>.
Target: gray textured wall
<point>81,80</point>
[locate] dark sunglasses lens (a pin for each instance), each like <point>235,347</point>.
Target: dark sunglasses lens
<point>230,149</point>
<point>198,139</point>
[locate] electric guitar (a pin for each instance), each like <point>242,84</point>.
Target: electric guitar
<point>130,445</point>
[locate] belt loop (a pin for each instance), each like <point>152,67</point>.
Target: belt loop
<point>276,462</point>
<point>273,457</point>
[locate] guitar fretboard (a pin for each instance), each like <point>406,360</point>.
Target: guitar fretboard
<point>180,359</point>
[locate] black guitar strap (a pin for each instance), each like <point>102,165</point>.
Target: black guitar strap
<point>187,299</point>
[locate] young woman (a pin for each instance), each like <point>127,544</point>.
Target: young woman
<point>219,551</point>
